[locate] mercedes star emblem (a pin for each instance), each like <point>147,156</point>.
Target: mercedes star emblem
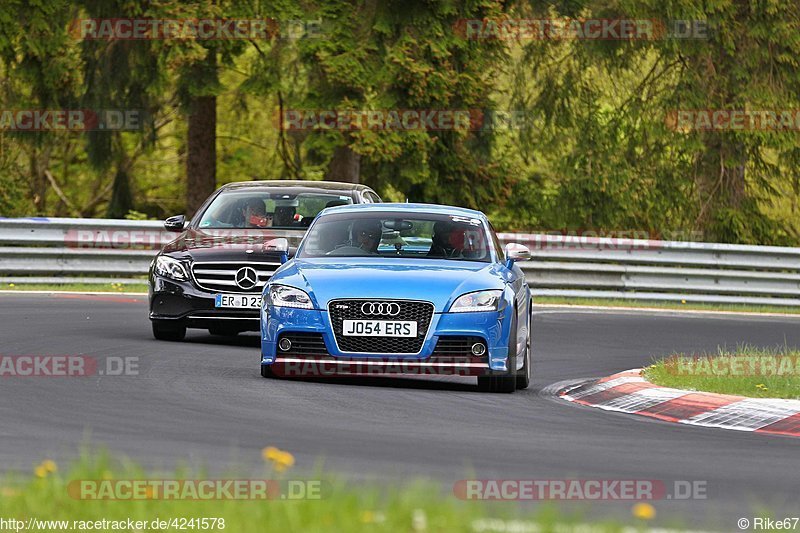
<point>246,278</point>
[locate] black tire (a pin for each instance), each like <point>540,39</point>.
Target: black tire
<point>267,372</point>
<point>506,382</point>
<point>223,331</point>
<point>502,384</point>
<point>166,331</point>
<point>524,373</point>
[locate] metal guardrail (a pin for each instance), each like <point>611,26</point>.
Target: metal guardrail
<point>58,250</point>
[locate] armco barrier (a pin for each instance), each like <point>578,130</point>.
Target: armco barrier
<point>55,250</point>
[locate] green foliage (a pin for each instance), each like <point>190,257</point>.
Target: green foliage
<point>597,150</point>
<point>604,108</point>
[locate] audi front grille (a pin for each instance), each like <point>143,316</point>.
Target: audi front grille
<point>220,276</point>
<point>417,311</point>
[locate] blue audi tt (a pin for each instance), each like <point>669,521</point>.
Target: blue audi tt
<point>400,288</point>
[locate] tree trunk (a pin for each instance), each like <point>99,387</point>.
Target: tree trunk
<point>121,198</point>
<point>344,166</point>
<point>39,163</point>
<point>201,157</point>
<point>121,201</point>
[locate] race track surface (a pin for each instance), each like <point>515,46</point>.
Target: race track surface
<point>203,402</point>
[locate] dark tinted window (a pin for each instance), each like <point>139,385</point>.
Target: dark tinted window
<point>264,209</point>
<point>416,235</point>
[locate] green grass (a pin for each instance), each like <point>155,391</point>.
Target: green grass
<point>413,507</point>
<point>746,371</point>
<point>75,287</point>
<point>602,302</point>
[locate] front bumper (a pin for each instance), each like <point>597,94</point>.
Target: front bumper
<point>490,328</point>
<point>182,302</point>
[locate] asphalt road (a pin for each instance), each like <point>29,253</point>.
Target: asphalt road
<point>202,402</point>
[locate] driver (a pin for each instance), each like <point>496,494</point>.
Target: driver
<point>254,214</point>
<point>368,234</point>
<point>442,238</point>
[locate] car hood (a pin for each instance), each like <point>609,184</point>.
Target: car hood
<point>231,244</point>
<point>437,281</point>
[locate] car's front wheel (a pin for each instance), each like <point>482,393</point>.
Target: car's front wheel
<point>507,382</point>
<point>524,373</point>
<point>166,331</point>
<point>267,372</point>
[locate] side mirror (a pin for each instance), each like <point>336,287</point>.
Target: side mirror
<point>277,245</point>
<point>280,245</point>
<point>516,252</point>
<point>175,223</point>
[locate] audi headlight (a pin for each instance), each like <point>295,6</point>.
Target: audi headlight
<point>285,296</point>
<point>170,268</point>
<point>477,301</point>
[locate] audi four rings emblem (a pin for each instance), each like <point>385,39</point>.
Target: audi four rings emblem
<point>380,308</point>
<point>246,278</point>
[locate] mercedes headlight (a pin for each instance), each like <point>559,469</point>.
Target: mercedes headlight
<point>285,296</point>
<point>477,301</point>
<point>170,268</point>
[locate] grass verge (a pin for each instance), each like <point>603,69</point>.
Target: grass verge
<point>51,495</point>
<point>76,287</point>
<point>693,306</point>
<point>747,371</point>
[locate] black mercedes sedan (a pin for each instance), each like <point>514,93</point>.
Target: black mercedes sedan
<point>211,276</point>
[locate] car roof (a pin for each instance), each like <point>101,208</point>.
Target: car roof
<point>296,184</point>
<point>409,208</point>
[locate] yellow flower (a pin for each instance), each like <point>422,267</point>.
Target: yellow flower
<point>371,517</point>
<point>50,466</point>
<point>683,301</point>
<point>269,453</point>
<point>644,511</point>
<point>40,471</point>
<point>11,285</point>
<point>280,459</point>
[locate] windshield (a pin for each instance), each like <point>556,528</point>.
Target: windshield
<point>423,236</point>
<point>261,209</point>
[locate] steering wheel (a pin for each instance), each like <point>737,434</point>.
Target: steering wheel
<point>349,250</point>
